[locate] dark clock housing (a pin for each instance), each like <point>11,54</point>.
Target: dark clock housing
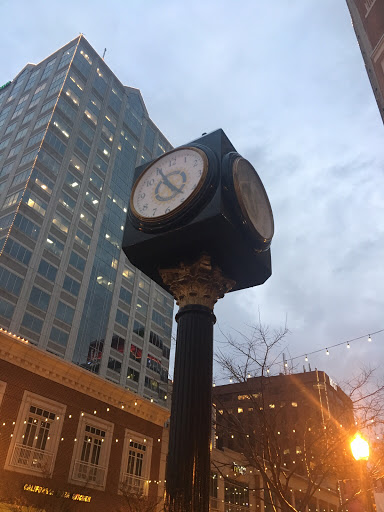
<point>215,224</point>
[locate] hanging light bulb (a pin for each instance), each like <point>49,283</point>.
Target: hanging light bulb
<point>231,380</point>
<point>249,376</point>
<point>369,338</point>
<point>286,364</point>
<point>267,370</point>
<point>306,358</point>
<point>348,345</point>
<point>327,352</point>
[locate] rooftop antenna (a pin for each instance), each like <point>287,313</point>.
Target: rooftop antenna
<point>105,51</point>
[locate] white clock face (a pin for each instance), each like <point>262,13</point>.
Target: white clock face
<point>169,184</point>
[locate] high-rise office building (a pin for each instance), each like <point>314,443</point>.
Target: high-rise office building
<point>70,137</point>
<point>368,22</point>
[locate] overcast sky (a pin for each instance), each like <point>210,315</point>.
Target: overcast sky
<point>287,83</point>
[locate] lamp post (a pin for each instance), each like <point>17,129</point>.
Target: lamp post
<point>360,451</point>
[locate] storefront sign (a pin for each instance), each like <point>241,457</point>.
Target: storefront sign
<point>59,494</point>
<point>239,470</point>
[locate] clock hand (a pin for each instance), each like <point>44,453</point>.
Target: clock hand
<point>168,183</point>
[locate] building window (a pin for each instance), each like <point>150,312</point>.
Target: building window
<point>133,375</point>
<point>121,318</point>
<point>39,299</point>
<point>136,463</point>
<point>118,343</point>
<point>27,226</point>
<point>151,384</point>
<point>32,323</point>
<point>114,365</point>
<point>144,285</point>
<point>155,340</point>
<point>92,450</point>
<point>153,363</point>
<point>47,270</point>
<point>12,199</point>
<point>158,319</point>
<point>236,494</point>
<point>129,274</point>
<point>136,353</point>
<point>138,329</point>
<point>71,286</point>
<point>36,203</point>
<point>36,436</point>
<point>54,246</point>
<point>64,313</point>
<point>10,282</point>
<point>77,261</point>
<point>61,222</point>
<point>17,251</point>
<point>141,307</point>
<point>58,336</point>
<point>6,310</point>
<point>125,295</point>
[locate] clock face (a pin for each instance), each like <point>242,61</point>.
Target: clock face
<point>169,184</point>
<point>253,199</point>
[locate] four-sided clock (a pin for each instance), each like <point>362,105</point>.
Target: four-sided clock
<point>200,198</point>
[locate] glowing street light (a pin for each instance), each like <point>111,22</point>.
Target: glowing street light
<point>359,447</point>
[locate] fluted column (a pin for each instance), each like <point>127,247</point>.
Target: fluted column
<point>196,289</point>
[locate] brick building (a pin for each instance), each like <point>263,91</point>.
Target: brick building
<point>368,22</point>
<point>69,440</point>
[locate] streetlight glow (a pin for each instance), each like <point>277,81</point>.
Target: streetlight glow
<point>360,447</point>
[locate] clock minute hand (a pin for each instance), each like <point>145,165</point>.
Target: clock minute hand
<point>168,183</point>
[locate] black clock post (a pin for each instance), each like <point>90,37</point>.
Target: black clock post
<point>200,225</point>
<point>196,288</point>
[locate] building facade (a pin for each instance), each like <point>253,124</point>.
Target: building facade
<point>70,137</point>
<point>289,424</point>
<point>237,486</point>
<point>368,22</point>
<point>71,441</point>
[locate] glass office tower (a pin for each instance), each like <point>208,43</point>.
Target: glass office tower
<point>70,137</point>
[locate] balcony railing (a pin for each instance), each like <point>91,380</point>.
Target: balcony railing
<point>134,484</point>
<point>214,505</point>
<point>32,458</point>
<point>89,473</point>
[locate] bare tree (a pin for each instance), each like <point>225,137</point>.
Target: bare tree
<point>280,445</point>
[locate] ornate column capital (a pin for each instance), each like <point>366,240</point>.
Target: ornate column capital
<point>198,283</point>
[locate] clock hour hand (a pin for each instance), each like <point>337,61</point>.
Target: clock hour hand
<point>168,183</point>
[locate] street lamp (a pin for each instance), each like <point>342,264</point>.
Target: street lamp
<point>360,451</point>
<point>359,447</point>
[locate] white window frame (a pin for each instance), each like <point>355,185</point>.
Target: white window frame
<point>104,454</point>
<point>3,385</point>
<point>129,436</point>
<point>31,399</point>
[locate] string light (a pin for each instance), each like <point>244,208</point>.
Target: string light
<point>327,351</point>
<point>318,351</point>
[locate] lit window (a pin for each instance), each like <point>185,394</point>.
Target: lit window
<point>136,463</point>
<point>91,453</point>
<point>36,436</point>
